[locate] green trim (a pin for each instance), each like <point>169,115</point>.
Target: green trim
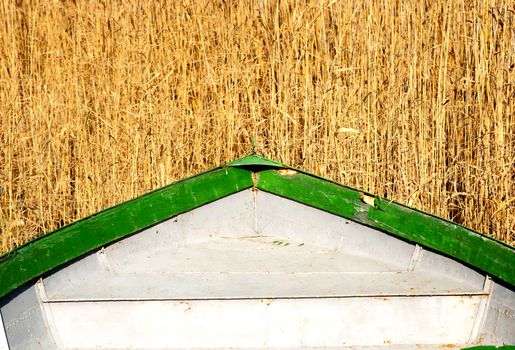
<point>256,161</point>
<point>57,248</point>
<point>48,252</point>
<point>477,250</point>
<point>490,347</point>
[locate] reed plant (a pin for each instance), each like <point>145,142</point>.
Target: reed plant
<point>101,101</point>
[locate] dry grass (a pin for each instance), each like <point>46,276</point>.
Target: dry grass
<point>101,101</point>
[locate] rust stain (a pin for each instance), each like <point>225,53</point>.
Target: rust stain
<point>255,180</point>
<point>481,338</point>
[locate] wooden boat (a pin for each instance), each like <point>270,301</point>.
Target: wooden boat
<point>255,254</point>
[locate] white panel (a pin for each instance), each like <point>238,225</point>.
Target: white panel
<point>431,262</point>
<point>234,285</point>
<point>265,322</point>
<point>281,217</point>
<point>25,323</point>
<point>227,217</point>
<point>499,327</point>
<point>81,271</point>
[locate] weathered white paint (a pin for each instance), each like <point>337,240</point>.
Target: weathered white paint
<point>481,311</point>
<point>245,267</point>
<point>499,326</point>
<point>283,218</point>
<point>25,323</point>
<point>265,322</point>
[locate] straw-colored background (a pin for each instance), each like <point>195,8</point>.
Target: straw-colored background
<point>101,101</point>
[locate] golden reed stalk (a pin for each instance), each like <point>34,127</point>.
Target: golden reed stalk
<point>101,101</point>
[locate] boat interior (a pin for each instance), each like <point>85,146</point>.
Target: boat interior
<point>254,270</point>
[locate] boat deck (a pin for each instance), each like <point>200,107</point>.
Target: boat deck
<point>255,290</point>
<point>256,271</point>
<point>248,267</point>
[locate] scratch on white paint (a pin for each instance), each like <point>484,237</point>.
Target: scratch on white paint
<point>415,258</point>
<point>103,260</point>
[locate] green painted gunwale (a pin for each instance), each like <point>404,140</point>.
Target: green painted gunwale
<point>48,252</point>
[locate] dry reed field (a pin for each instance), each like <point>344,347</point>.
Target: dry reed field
<point>101,101</point>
